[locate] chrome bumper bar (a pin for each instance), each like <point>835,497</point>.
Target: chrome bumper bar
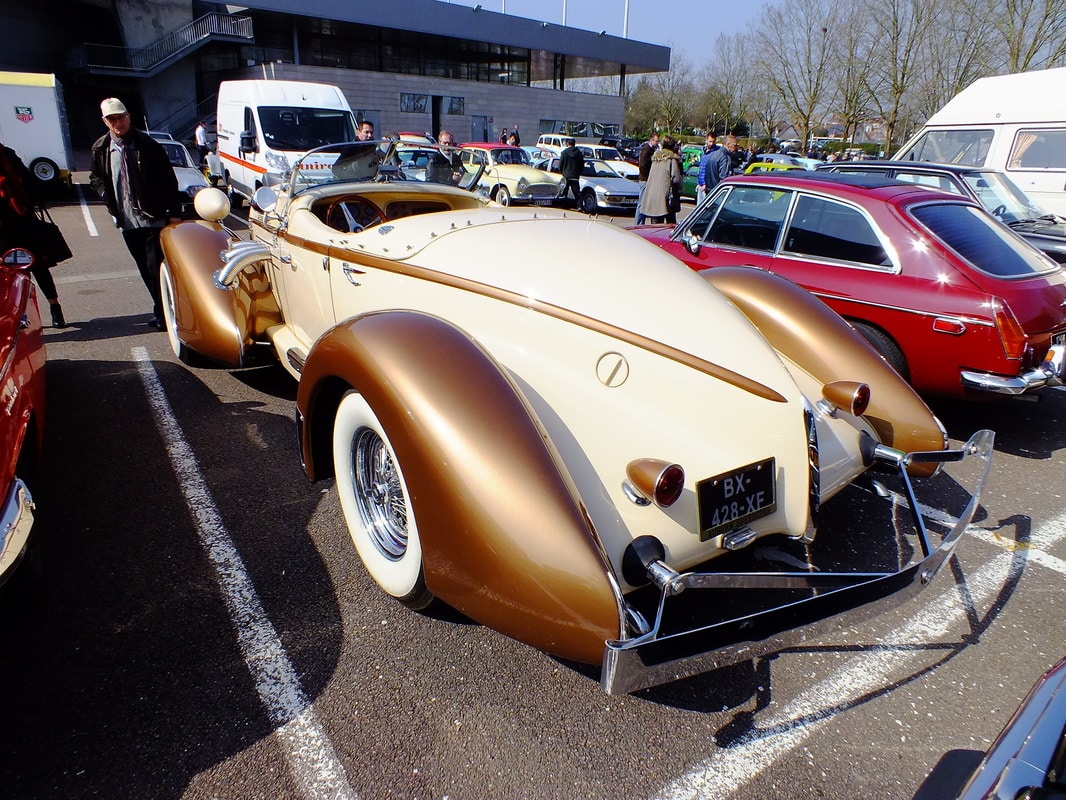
<point>1051,372</point>
<point>16,519</point>
<point>840,599</point>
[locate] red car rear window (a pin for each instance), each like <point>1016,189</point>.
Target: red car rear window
<point>985,243</point>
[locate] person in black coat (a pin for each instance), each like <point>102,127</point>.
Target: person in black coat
<point>131,172</point>
<point>17,219</point>
<point>571,165</point>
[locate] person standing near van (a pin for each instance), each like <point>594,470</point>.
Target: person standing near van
<point>365,132</point>
<point>201,141</point>
<point>131,172</point>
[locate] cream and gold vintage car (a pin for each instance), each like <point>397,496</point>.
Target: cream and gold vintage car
<point>548,423</point>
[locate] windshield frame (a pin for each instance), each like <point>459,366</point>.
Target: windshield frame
<point>378,161</point>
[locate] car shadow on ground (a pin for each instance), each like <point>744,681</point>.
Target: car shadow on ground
<point>1029,428</point>
<point>124,674</point>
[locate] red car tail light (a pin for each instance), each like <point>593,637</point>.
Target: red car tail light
<point>1011,336</point>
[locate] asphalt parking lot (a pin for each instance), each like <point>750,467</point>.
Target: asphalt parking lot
<point>202,628</point>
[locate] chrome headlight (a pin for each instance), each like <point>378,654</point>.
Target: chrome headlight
<point>523,185</point>
<point>277,161</point>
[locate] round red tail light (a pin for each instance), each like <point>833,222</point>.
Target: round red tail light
<point>669,486</point>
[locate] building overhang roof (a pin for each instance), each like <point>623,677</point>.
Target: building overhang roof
<point>588,54</point>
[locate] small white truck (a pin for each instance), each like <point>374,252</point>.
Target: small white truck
<point>1014,123</point>
<point>33,123</point>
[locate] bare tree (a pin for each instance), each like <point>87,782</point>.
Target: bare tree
<point>796,58</point>
<point>849,59</point>
<point>721,93</point>
<point>900,28</point>
<point>672,101</point>
<point>1033,32</point>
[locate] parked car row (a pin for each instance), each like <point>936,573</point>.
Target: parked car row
<point>482,405</point>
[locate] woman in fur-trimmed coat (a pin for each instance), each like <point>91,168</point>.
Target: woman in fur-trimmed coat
<point>664,183</point>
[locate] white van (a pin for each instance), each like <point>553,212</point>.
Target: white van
<point>33,123</point>
<point>1014,123</point>
<point>264,127</point>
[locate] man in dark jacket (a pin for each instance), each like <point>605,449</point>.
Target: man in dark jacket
<point>571,165</point>
<point>643,168</point>
<point>131,172</point>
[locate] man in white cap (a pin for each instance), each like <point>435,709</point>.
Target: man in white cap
<point>131,172</point>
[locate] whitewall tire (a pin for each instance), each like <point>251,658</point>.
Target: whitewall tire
<point>374,499</point>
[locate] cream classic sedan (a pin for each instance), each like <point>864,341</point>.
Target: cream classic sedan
<point>509,176</point>
<point>550,424</point>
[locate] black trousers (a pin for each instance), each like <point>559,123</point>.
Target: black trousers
<point>572,185</point>
<point>42,273</point>
<point>143,244</point>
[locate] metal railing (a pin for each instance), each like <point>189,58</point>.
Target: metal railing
<point>146,60</point>
<point>182,122</point>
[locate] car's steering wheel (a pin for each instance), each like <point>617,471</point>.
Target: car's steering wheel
<point>353,215</point>
<point>999,211</point>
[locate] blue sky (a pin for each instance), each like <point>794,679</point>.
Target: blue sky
<point>688,26</point>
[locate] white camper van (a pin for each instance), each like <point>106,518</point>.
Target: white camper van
<point>264,127</point>
<point>1014,123</point>
<point>33,123</point>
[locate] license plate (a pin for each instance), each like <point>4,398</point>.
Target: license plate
<point>547,202</point>
<point>735,498</point>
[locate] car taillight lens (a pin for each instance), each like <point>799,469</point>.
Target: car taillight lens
<point>668,487</point>
<point>1011,335</point>
<point>657,480</point>
<point>852,396</point>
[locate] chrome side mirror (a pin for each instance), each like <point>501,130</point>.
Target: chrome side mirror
<point>17,258</point>
<point>265,199</point>
<point>693,243</point>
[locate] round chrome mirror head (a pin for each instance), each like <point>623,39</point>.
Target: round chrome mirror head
<point>265,199</point>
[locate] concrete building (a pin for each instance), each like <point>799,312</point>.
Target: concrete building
<point>407,65</point>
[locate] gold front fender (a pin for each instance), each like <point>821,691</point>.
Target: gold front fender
<point>214,322</point>
<point>505,538</point>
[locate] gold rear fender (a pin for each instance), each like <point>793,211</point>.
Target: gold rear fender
<point>505,538</point>
<point>805,330</point>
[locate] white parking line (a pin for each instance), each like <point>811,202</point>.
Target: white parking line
<point>308,750</point>
<point>85,211</point>
<point>730,768</point>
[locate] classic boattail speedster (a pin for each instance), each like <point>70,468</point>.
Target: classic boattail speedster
<point>535,416</point>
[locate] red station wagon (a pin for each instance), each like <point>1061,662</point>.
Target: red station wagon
<point>956,302</point>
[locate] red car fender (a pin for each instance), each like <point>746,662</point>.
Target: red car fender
<point>505,538</point>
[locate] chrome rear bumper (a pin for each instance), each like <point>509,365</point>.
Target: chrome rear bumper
<point>16,519</point>
<point>840,599</point>
<point>1051,372</point>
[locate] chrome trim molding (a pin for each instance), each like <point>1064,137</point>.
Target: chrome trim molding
<point>840,599</point>
<point>237,258</point>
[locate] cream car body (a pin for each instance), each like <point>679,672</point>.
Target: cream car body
<point>538,424</point>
